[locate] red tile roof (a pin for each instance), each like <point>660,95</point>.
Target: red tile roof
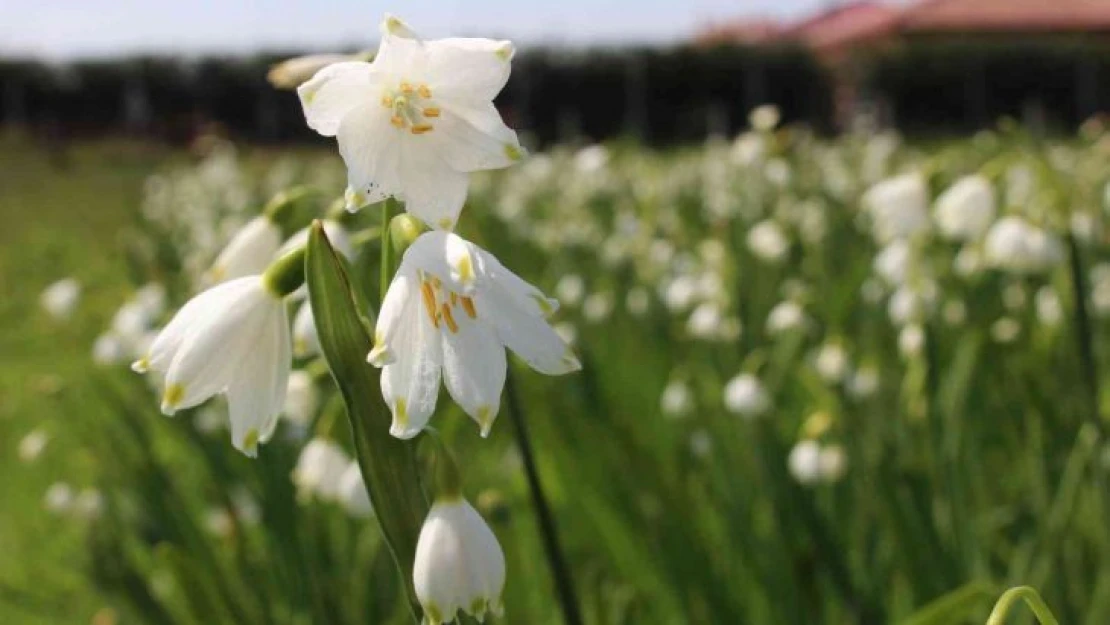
<point>1006,15</point>
<point>845,26</point>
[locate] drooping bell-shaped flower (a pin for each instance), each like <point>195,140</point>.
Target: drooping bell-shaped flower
<point>232,339</point>
<point>450,312</point>
<point>459,564</point>
<point>898,207</point>
<point>416,121</point>
<point>966,209</point>
<point>249,252</point>
<point>319,469</point>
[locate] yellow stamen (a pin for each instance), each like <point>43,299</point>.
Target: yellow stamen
<point>424,91</point>
<point>429,302</point>
<point>387,101</point>
<point>397,121</point>
<point>419,129</point>
<point>407,89</point>
<point>454,298</point>
<point>449,319</point>
<point>468,306</point>
<point>431,111</point>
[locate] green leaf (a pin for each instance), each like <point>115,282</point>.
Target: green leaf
<point>388,464</point>
<point>954,606</point>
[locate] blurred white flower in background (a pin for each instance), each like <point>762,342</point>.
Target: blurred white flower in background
<point>831,362</point>
<point>591,159</point>
<point>637,301</point>
<point>811,463</point>
<point>60,298</point>
<point>1100,288</point>
<point>1013,244</point>
<point>597,306</point>
<point>320,469</point>
<point>701,443</point>
<point>744,395</point>
<point>955,312</point>
<point>58,498</point>
<point>892,263</point>
<point>417,120</point>
<point>966,209</point>
<point>786,316</point>
<point>459,564</point>
<point>910,340</point>
<point>301,398</point>
<point>1005,330</point>
<point>863,382</point>
<point>306,342</point>
<point>1049,310</point>
<point>898,207</point>
<point>677,399</point>
<point>570,290</point>
<point>32,445</point>
<point>765,117</point>
<point>352,493</point>
<point>767,241</point>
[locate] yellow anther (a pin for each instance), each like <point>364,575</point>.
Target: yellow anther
<point>387,101</point>
<point>419,129</point>
<point>397,121</point>
<point>449,319</point>
<point>424,91</point>
<point>454,298</point>
<point>431,111</point>
<point>407,89</point>
<point>429,302</point>
<point>437,283</point>
<point>465,269</point>
<point>468,306</point>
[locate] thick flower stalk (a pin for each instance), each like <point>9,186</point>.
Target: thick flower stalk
<point>232,339</point>
<point>416,121</point>
<point>450,312</point>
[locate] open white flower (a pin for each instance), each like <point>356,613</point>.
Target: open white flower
<point>459,564</point>
<point>1013,244</point>
<point>417,120</point>
<point>248,253</point>
<point>233,339</point>
<point>451,310</point>
<point>898,207</point>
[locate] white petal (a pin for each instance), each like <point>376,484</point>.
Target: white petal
<point>213,347</point>
<point>523,295</point>
<point>470,69</point>
<point>168,341</point>
<point>335,91</point>
<point>402,58</point>
<point>400,300</point>
<point>410,384</point>
<point>528,335</point>
<point>474,368</point>
<point>371,150</point>
<point>306,342</point>
<point>248,253</point>
<point>449,257</point>
<point>432,190</point>
<point>473,138</point>
<point>256,396</point>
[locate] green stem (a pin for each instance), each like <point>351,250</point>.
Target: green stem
<point>1084,335</point>
<point>385,262</point>
<point>1031,599</point>
<point>564,587</point>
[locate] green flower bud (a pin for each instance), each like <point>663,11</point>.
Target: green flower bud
<point>403,230</point>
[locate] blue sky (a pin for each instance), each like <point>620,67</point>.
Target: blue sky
<point>67,28</point>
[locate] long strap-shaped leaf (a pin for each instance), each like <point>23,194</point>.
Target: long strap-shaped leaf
<point>388,465</point>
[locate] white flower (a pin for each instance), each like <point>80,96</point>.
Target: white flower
<point>831,362</point>
<point>291,73</point>
<point>864,382</point>
<point>805,461</point>
<point>306,342</point>
<point>337,235</point>
<point>677,400</point>
<point>705,322</point>
<point>1005,330</point>
<point>764,118</point>
<point>301,398</point>
<point>597,306</point>
<point>767,241</point>
<point>60,298</point>
<point>108,349</point>
<point>590,159</point>
<point>459,564</point>
<point>1049,310</point>
<point>416,121</point>
<point>30,448</point>
<point>1014,244</point>
<point>787,315</point>
<point>744,395</point>
<point>320,469</point>
<point>893,262</point>
<point>898,207</point>
<point>966,209</point>
<point>58,498</point>
<point>250,251</point>
<point>352,493</point>
<point>637,301</point>
<point>452,309</point>
<point>570,289</point>
<point>911,339</point>
<point>955,312</point>
<point>233,339</point>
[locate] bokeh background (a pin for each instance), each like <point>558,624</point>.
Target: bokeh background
<point>808,396</point>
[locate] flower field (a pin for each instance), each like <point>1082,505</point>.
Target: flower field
<point>810,380</point>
